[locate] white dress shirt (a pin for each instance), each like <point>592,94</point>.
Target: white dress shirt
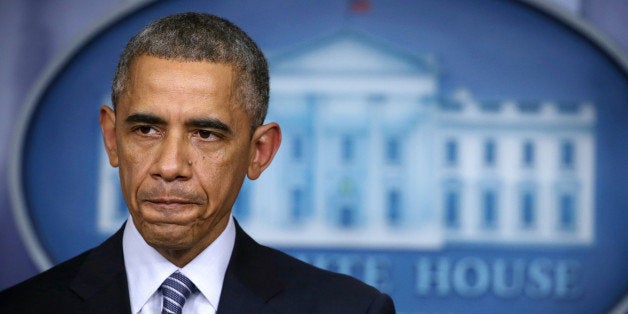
<point>146,269</point>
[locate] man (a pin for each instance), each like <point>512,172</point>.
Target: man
<point>190,96</point>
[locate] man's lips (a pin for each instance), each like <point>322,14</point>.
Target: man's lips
<point>158,209</point>
<point>172,201</point>
<point>170,196</point>
<point>171,206</point>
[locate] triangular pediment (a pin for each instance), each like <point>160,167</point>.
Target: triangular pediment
<point>348,53</point>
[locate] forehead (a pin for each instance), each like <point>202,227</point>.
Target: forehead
<point>166,86</point>
<point>202,76</point>
<point>152,78</point>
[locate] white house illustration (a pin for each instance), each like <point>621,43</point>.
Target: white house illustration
<point>373,156</point>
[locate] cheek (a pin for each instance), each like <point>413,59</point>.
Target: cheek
<point>221,174</point>
<point>134,165</point>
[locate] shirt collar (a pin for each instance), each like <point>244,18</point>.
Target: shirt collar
<point>146,269</point>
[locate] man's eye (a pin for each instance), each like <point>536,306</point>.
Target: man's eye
<point>145,129</point>
<point>204,134</point>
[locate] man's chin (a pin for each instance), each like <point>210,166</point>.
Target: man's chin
<point>167,236</point>
<point>168,244</point>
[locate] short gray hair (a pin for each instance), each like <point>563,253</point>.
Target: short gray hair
<point>202,37</point>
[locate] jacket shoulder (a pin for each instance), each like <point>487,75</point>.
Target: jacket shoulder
<point>325,291</point>
<point>45,290</point>
<point>264,275</point>
<point>77,285</point>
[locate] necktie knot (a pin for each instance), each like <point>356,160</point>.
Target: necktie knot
<point>175,290</point>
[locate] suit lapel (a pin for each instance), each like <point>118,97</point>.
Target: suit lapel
<point>251,279</point>
<point>101,280</point>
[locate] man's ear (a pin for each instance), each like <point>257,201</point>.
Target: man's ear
<point>108,126</point>
<point>265,143</point>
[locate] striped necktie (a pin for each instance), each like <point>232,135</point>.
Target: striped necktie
<point>175,290</point>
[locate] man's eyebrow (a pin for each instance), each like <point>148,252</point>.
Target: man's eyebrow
<point>209,123</point>
<point>144,118</point>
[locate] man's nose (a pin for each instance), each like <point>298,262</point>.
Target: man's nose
<point>173,161</point>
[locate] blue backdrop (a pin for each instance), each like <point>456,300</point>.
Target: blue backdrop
<point>483,53</point>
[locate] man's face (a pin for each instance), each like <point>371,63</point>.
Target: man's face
<point>183,145</point>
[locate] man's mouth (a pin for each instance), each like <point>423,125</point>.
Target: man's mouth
<point>171,201</point>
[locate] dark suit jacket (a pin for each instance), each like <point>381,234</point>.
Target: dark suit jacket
<point>258,280</point>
